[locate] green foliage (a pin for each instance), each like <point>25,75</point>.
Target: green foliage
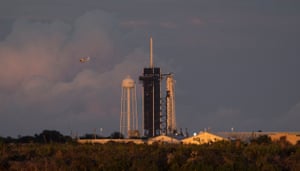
<point>120,156</point>
<point>47,136</point>
<point>264,139</point>
<point>50,136</point>
<point>116,135</point>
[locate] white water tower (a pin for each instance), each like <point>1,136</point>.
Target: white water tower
<point>128,118</point>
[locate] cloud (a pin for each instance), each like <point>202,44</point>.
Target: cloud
<point>196,21</point>
<point>168,25</point>
<point>290,120</point>
<point>43,85</point>
<point>224,117</point>
<point>134,24</point>
<point>31,49</point>
<point>227,113</point>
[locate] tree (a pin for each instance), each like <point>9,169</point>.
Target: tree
<point>116,135</point>
<point>49,136</point>
<point>264,139</point>
<point>26,139</point>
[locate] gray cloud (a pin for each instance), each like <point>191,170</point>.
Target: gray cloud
<point>47,87</point>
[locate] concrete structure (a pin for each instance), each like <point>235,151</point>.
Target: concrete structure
<point>104,141</point>
<point>163,139</point>
<point>203,138</point>
<point>243,136</point>
<point>129,118</point>
<point>292,138</point>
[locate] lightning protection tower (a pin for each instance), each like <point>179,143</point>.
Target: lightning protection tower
<point>129,118</point>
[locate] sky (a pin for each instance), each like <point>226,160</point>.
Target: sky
<point>236,63</point>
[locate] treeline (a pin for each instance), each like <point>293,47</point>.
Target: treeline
<point>53,136</point>
<point>260,154</point>
<point>47,136</point>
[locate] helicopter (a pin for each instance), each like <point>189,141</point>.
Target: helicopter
<point>84,59</point>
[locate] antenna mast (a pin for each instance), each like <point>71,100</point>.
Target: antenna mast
<point>151,53</point>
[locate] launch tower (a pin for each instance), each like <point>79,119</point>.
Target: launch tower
<point>151,98</point>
